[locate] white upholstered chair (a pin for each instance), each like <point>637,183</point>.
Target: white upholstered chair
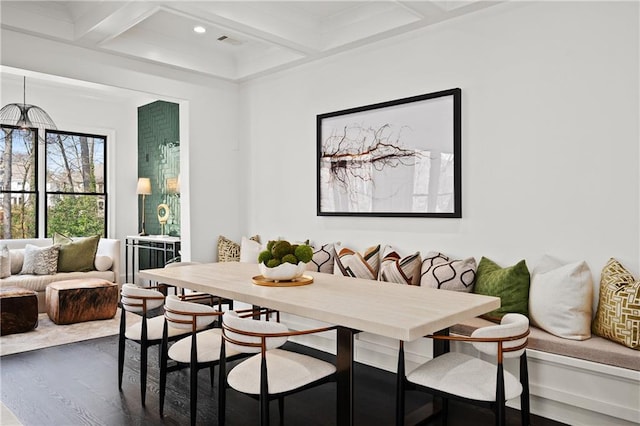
<point>147,332</point>
<point>201,349</point>
<point>460,376</point>
<point>272,373</point>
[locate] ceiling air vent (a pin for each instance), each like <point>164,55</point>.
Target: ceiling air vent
<point>229,40</point>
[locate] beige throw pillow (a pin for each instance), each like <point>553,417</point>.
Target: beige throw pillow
<point>40,260</point>
<point>5,262</point>
<point>561,298</point>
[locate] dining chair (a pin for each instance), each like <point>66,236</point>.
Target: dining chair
<point>145,302</point>
<point>201,349</point>
<point>272,373</point>
<point>459,376</point>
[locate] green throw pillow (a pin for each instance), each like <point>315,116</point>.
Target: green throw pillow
<point>511,284</point>
<point>76,254</point>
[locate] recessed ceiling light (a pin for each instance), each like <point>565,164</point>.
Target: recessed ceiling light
<point>199,29</point>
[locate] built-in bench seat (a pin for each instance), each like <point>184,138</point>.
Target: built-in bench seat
<point>595,349</point>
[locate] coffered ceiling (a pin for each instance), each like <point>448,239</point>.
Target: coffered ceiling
<point>243,39</point>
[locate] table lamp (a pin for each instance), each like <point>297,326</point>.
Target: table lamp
<point>144,189</point>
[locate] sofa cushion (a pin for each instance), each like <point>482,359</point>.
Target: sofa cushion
<point>397,269</point>
<point>350,263</point>
<point>438,271</point>
<point>5,262</point>
<point>561,298</point>
<point>618,314</point>
<point>40,260</point>
<point>76,254</point>
<point>510,284</point>
<point>40,282</point>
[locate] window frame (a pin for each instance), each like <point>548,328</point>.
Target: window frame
<point>104,192</point>
<point>36,164</point>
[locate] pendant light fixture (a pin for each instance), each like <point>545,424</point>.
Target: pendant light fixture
<point>26,116</point>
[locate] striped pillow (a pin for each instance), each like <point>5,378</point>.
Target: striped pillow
<point>350,263</point>
<point>401,270</point>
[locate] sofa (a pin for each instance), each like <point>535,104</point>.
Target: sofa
<point>107,267</point>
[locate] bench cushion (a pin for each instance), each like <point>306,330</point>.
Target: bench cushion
<point>595,349</point>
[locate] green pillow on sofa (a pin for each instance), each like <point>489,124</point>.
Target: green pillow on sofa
<point>511,284</point>
<point>76,254</point>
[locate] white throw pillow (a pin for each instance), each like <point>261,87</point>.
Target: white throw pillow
<point>249,250</point>
<point>103,263</point>
<point>323,258</point>
<point>438,271</point>
<point>561,297</point>
<point>40,260</point>
<point>17,257</point>
<point>5,262</point>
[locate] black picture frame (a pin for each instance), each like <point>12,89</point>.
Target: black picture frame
<point>400,158</point>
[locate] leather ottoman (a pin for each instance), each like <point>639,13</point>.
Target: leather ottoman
<point>18,310</point>
<point>80,300</point>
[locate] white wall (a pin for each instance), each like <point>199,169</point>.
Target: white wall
<point>550,134</point>
<point>209,117</point>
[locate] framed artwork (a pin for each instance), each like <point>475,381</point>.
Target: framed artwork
<point>399,158</point>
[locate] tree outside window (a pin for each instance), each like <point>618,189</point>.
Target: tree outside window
<point>75,198</point>
<point>18,183</point>
<point>75,184</point>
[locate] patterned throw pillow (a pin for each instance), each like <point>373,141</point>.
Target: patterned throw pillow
<point>350,263</point>
<point>561,298</point>
<point>40,260</point>
<point>511,284</point>
<point>438,271</point>
<point>76,254</point>
<point>401,270</point>
<point>5,262</point>
<point>229,251</point>
<point>618,314</point>
<point>323,258</point>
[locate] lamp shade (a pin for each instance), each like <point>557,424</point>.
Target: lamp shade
<point>144,186</point>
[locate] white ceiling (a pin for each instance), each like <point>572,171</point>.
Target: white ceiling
<point>262,36</point>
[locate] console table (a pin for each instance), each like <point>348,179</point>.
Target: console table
<point>161,248</point>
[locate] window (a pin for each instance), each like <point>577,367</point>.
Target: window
<point>75,184</point>
<point>18,183</point>
<point>72,178</point>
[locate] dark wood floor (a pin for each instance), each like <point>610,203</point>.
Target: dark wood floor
<point>76,384</point>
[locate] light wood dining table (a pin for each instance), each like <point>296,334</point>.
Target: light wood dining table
<point>352,304</point>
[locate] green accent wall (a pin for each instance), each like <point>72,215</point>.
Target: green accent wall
<point>159,160</point>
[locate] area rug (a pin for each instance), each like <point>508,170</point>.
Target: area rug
<point>49,334</point>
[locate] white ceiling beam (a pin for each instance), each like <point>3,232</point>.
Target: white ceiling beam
<point>107,20</point>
